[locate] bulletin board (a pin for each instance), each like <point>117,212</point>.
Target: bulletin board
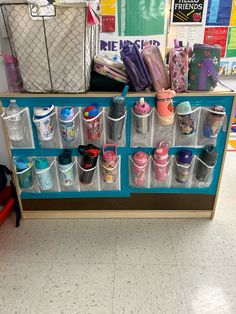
<point>161,21</point>
<point>125,21</point>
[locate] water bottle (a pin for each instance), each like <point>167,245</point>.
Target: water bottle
<point>117,116</point>
<point>165,108</point>
<point>140,161</point>
<point>183,167</point>
<point>66,171</point>
<point>15,123</point>
<point>185,118</point>
<point>214,122</point>
<point>43,122</point>
<point>12,73</point>
<point>67,123</point>
<point>109,163</point>
<point>24,172</point>
<point>89,162</point>
<point>161,159</point>
<point>204,169</point>
<point>142,119</point>
<point>93,123</point>
<point>43,172</point>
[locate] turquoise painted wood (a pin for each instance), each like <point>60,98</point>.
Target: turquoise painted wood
<point>125,152</point>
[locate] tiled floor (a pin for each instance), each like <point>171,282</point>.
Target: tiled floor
<point>122,266</point>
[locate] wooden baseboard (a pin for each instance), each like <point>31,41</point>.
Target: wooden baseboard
<point>119,214</point>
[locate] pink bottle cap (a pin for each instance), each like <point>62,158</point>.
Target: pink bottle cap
<point>140,158</point>
<point>142,107</point>
<point>109,155</point>
<point>161,151</point>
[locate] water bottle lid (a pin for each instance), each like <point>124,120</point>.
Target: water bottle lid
<point>142,107</point>
<point>65,157</point>
<point>91,111</point>
<point>140,158</point>
<point>219,109</point>
<point>22,163</point>
<point>67,113</point>
<point>209,155</point>
<point>42,112</point>
<point>41,163</point>
<point>185,156</point>
<point>184,108</point>
<point>162,149</point>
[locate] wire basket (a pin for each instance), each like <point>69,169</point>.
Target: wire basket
<point>54,52</point>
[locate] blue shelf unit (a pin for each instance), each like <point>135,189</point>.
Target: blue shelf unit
<point>32,101</point>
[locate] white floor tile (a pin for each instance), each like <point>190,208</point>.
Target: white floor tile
<point>34,241</point>
<point>199,242</point>
<point>143,241</point>
<point>210,290</point>
<point>20,285</point>
<point>78,289</point>
<point>147,289</point>
<point>88,241</point>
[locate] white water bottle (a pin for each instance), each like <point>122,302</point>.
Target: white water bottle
<point>15,125</point>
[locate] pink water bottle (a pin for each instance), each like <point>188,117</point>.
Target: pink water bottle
<point>140,161</point>
<point>109,163</point>
<point>12,73</point>
<point>161,159</point>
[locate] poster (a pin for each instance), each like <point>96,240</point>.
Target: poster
<point>141,18</point>
<point>188,34</point>
<point>216,36</point>
<point>233,14</point>
<point>187,12</point>
<point>231,46</point>
<point>219,12</point>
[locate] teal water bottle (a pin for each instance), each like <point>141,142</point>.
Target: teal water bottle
<point>24,172</point>
<point>44,175</point>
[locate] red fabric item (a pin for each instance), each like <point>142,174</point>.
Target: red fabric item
<point>108,23</point>
<point>216,35</point>
<point>91,17</point>
<point>7,201</point>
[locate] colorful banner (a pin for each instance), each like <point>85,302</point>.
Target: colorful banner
<point>108,7</point>
<point>219,12</point>
<point>216,35</point>
<point>231,47</point>
<point>111,45</point>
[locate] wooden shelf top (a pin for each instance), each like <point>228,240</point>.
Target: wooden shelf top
<point>218,91</point>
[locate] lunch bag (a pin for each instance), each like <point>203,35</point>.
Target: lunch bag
<point>178,67</point>
<point>204,67</point>
<point>135,67</point>
<point>156,67</point>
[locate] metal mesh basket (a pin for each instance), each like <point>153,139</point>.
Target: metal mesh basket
<point>54,54</point>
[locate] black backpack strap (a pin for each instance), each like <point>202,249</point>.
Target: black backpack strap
<point>16,204</point>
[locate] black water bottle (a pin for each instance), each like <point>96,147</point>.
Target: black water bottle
<point>208,159</point>
<point>117,116</point>
<point>89,162</point>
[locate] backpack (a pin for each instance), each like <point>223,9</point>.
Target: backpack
<point>4,171</point>
<point>204,67</point>
<point>178,67</point>
<point>156,67</point>
<point>135,67</point>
